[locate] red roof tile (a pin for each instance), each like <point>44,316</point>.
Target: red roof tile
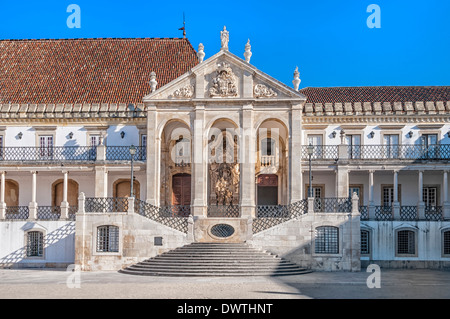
<point>89,70</point>
<point>376,94</point>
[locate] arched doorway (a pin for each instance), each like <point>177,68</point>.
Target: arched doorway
<point>72,192</point>
<point>122,188</point>
<point>181,189</point>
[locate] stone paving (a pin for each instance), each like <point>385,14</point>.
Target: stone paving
<point>50,284</point>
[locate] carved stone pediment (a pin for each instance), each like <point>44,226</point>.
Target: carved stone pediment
<point>184,92</point>
<point>224,84</point>
<point>262,91</point>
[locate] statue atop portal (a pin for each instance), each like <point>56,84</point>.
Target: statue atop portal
<point>224,38</point>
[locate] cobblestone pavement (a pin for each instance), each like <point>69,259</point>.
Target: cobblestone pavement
<point>50,284</point>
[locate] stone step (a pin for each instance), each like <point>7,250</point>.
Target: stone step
<point>215,259</point>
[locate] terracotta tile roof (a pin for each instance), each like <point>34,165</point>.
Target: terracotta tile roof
<point>89,70</point>
<point>376,94</point>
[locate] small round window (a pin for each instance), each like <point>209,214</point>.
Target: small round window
<point>222,230</point>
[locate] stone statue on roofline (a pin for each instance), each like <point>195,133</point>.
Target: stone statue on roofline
<point>224,38</point>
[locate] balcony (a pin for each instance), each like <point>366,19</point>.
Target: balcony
<point>437,152</point>
<point>68,154</point>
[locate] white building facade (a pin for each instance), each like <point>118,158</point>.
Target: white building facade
<point>329,178</point>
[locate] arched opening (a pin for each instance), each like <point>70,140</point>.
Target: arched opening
<point>267,189</point>
<point>122,188</point>
<point>11,193</point>
<point>58,192</point>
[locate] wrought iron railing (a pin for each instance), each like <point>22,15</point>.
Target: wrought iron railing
<point>122,153</point>
<point>268,216</point>
<point>321,152</point>
<point>175,210</point>
<point>48,154</point>
<point>433,213</point>
<point>106,204</point>
<point>48,212</point>
<point>383,213</point>
<point>159,215</point>
<point>17,212</point>
<point>408,213</point>
<point>223,211</point>
<point>364,212</point>
<point>333,205</point>
<point>400,152</point>
<point>72,212</point>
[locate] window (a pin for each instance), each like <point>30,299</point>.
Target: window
<point>143,152</point>
<point>446,242</point>
<point>46,146</point>
<point>429,143</point>
<point>354,146</point>
<point>387,195</point>
<point>406,242</point>
<point>316,141</point>
<point>392,145</point>
<point>430,196</point>
<point>35,244</point>
<point>355,189</point>
<point>327,240</point>
<point>94,140</point>
<point>268,152</point>
<point>365,242</point>
<point>108,239</point>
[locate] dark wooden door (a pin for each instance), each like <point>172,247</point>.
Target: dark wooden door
<point>181,189</point>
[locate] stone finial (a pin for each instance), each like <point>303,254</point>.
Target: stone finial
<point>248,53</point>
<point>296,80</point>
<point>224,38</point>
<point>153,82</point>
<point>201,53</point>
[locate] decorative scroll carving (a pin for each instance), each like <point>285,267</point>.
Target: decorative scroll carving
<point>225,83</point>
<point>260,90</point>
<point>184,92</point>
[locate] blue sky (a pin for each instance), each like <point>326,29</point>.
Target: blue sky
<point>329,41</point>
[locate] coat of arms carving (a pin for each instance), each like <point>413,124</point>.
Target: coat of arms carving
<point>224,83</point>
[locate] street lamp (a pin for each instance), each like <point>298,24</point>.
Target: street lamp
<point>132,153</point>
<point>310,150</point>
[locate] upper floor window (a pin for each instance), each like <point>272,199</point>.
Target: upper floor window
<point>391,142</point>
<point>354,143</point>
<point>94,139</point>
<point>46,145</point>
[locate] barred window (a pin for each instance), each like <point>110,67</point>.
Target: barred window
<point>327,240</point>
<point>35,244</point>
<point>108,238</point>
<point>446,242</point>
<point>365,242</point>
<point>406,242</point>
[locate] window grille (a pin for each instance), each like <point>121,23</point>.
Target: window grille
<point>108,239</point>
<point>327,240</point>
<point>447,242</point>
<point>365,242</point>
<point>35,244</point>
<point>406,242</point>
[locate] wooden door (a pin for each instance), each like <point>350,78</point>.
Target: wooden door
<point>181,189</point>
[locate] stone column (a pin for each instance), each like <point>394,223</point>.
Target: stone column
<point>152,156</point>
<point>420,203</point>
<point>2,196</point>
<point>371,207</point>
<point>396,204</point>
<point>200,164</point>
<point>33,205</point>
<point>247,158</point>
<point>65,203</point>
<point>101,181</point>
<point>341,181</point>
<point>446,203</point>
<point>295,154</point>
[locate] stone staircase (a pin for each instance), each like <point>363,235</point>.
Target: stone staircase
<point>215,259</point>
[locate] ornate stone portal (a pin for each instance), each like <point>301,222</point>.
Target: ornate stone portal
<point>224,183</point>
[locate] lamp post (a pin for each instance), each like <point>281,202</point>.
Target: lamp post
<point>310,150</point>
<point>132,153</point>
